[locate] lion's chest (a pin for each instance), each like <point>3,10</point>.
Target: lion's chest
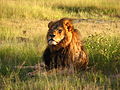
<point>65,57</point>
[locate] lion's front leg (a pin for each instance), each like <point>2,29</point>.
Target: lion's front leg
<point>47,58</point>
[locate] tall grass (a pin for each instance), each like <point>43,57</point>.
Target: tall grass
<point>23,28</point>
<point>87,81</point>
<point>103,50</point>
<point>46,9</point>
<point>104,53</point>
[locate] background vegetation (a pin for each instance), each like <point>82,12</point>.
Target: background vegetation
<point>23,26</point>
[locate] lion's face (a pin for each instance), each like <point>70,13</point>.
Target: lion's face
<point>57,31</point>
<point>55,35</point>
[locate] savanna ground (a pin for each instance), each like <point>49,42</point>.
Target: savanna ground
<point>23,26</point>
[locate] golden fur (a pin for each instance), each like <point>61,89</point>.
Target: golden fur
<point>65,48</point>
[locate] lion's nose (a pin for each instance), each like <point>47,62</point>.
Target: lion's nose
<point>52,35</point>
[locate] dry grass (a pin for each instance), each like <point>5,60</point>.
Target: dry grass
<point>40,9</point>
<point>23,27</point>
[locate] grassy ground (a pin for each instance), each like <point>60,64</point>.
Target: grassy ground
<point>46,9</point>
<point>23,26</point>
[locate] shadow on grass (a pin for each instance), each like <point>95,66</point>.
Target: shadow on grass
<point>91,10</point>
<point>99,62</point>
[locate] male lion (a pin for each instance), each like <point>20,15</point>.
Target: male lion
<point>65,49</point>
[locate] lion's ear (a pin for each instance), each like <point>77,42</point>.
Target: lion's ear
<point>50,24</point>
<point>68,25</point>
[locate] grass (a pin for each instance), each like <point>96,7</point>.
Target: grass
<point>40,9</point>
<point>23,27</point>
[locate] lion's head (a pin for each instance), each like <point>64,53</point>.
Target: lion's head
<point>60,32</point>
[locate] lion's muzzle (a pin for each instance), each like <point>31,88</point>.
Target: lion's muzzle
<point>52,42</point>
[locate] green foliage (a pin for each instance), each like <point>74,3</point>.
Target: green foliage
<point>104,52</point>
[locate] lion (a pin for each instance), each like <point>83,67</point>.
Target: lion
<point>64,47</point>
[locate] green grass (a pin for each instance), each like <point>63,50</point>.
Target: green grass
<point>23,27</point>
<point>88,81</point>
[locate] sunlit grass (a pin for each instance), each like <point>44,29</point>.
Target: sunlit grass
<point>40,9</point>
<point>23,28</point>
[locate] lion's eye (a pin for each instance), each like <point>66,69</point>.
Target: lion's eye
<point>59,30</point>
